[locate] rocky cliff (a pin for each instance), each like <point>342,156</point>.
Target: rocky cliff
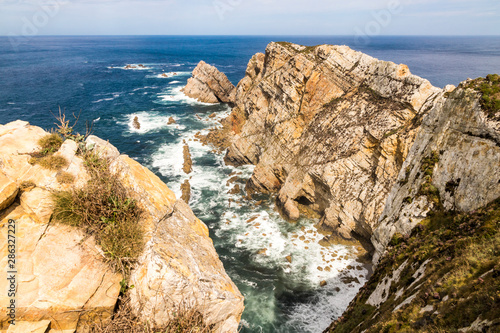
<point>454,164</point>
<point>438,237</point>
<point>208,85</point>
<point>63,282</point>
<point>383,156</point>
<point>328,129</point>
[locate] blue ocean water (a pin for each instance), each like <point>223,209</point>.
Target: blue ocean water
<point>87,76</point>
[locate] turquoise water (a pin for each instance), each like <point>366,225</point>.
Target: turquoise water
<point>88,75</point>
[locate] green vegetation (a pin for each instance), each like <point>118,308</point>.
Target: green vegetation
<point>49,144</point>
<point>489,88</point>
<point>104,209</point>
<point>461,280</point>
<point>427,188</point>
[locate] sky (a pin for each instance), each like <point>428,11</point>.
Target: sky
<point>249,17</point>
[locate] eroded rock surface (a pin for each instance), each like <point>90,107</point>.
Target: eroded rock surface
<point>328,128</point>
<point>62,277</point>
<point>454,162</point>
<point>208,85</point>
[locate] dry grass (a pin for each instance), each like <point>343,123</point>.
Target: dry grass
<point>27,185</point>
<point>64,177</point>
<point>104,209</point>
<point>44,157</point>
<point>50,143</point>
<point>124,321</point>
<point>50,162</point>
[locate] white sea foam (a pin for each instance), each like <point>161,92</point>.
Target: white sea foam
<point>174,82</point>
<point>132,67</point>
<point>96,120</point>
<point>262,233</point>
<point>104,100</point>
<point>168,75</point>
<point>175,95</point>
<point>146,87</point>
<point>150,121</point>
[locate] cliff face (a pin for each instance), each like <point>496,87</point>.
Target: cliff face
<point>438,238</point>
<point>454,163</point>
<point>63,282</point>
<point>328,129</point>
<point>208,85</point>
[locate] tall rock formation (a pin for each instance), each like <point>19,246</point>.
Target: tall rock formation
<point>454,163</point>
<point>64,284</point>
<point>328,129</point>
<point>208,85</point>
<point>436,264</point>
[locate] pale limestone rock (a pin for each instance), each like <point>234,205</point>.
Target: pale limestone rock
<point>61,275</point>
<point>382,291</point>
<point>327,127</point>
<point>29,327</point>
<point>208,85</point>
<point>180,266</point>
<point>467,174</point>
<point>8,191</point>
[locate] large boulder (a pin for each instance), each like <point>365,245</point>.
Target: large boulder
<point>208,85</point>
<point>62,277</point>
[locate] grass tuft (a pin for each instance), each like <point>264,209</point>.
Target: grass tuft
<point>51,162</point>
<point>50,143</point>
<point>64,177</point>
<point>104,208</point>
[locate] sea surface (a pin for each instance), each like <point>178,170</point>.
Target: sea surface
<point>87,76</point>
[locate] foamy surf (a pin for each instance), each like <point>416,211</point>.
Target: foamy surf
<point>135,67</point>
<point>175,95</point>
<point>258,232</point>
<point>149,121</point>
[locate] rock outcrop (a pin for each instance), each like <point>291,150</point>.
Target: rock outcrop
<point>208,85</point>
<point>454,163</point>
<point>62,277</point>
<point>328,129</point>
<point>436,269</point>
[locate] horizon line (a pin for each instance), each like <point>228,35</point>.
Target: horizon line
<point>242,35</point>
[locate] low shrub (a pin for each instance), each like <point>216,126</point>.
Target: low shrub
<point>186,320</point>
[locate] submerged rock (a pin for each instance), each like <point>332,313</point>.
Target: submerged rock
<point>208,85</point>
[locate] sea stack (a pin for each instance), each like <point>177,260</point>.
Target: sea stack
<point>209,85</point>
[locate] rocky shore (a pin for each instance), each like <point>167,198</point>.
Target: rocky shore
<point>379,154</point>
